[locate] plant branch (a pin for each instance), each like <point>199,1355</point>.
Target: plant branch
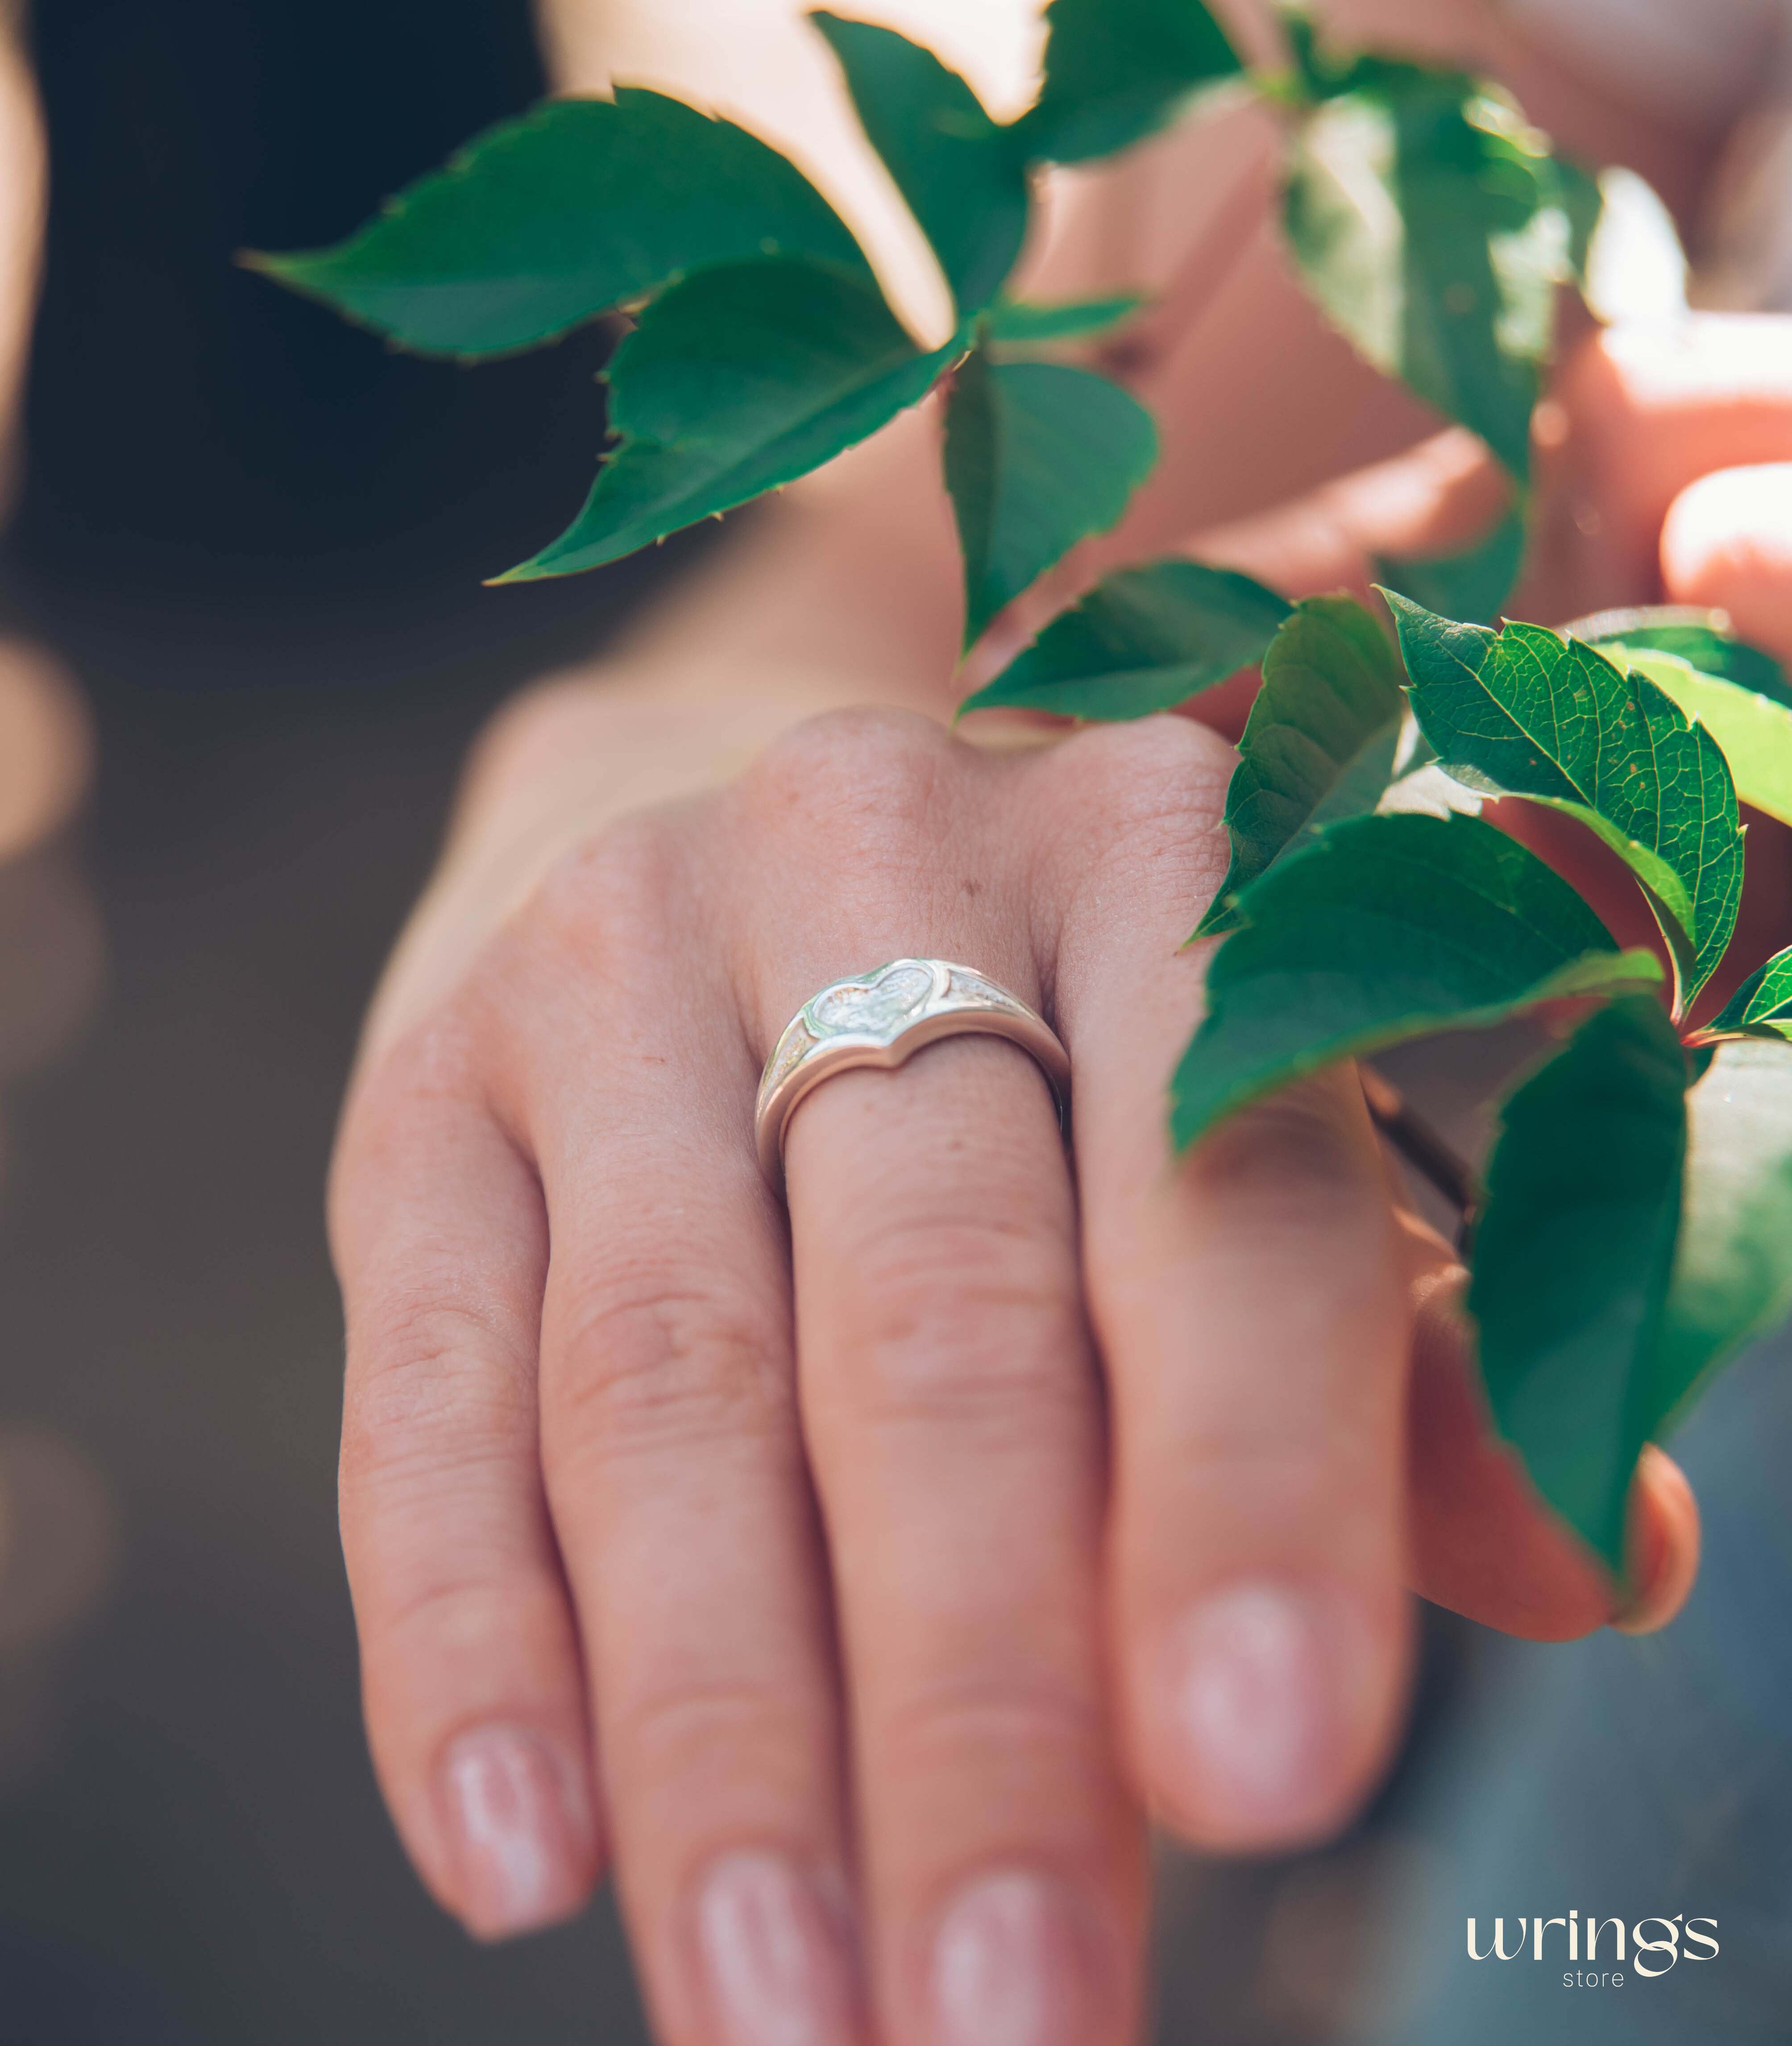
<point>1422,1149</point>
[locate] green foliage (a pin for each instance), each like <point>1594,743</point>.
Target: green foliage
<point>1116,71</point>
<point>1618,1260</point>
<point>1038,456</point>
<point>1387,928</point>
<point>1573,1257</point>
<point>1762,1007</point>
<point>964,180</point>
<point>581,206</point>
<point>1526,712</point>
<point>814,362</point>
<point>1144,640</point>
<point>1753,732</point>
<point>1732,1269</point>
<point>1016,324</point>
<point>1702,640</point>
<point>1319,745</point>
<point>1427,220</point>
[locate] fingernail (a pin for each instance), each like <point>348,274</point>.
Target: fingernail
<point>1268,1687</point>
<point>778,1955</point>
<point>521,1830</point>
<point>1020,1960</point>
<point>1664,1546</point>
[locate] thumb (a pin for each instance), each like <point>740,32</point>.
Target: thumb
<point>1727,543</point>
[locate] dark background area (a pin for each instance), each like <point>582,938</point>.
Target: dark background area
<point>256,538</point>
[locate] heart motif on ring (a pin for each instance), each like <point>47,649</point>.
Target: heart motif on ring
<point>875,1005</point>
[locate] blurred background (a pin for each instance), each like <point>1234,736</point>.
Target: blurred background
<point>254,540</point>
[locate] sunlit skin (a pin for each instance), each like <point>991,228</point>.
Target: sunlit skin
<point>852,1584</point>
<point>893,1560</point>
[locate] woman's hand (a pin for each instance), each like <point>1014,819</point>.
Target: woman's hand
<point>850,1578</point>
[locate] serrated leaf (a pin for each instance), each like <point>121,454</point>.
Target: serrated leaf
<point>1732,1266</point>
<point>1422,217</point>
<point>555,217</point>
<point>1762,1007</point>
<point>736,382</point>
<point>1143,640</point>
<point>1387,928</point>
<point>963,179</point>
<point>1701,639</point>
<point>1753,731</point>
<point>1526,712</point>
<point>1038,457</point>
<point>1320,744</point>
<point>1020,324</point>
<point>1473,584</point>
<point>1573,1250</point>
<point>1116,71</point>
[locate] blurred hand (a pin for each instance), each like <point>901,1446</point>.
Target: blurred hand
<point>1664,473</point>
<point>44,750</point>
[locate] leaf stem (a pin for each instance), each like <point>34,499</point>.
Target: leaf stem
<point>1422,1149</point>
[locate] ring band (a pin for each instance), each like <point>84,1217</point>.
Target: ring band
<point>882,1018</point>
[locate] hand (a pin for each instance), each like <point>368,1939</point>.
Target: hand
<point>1664,471</point>
<point>44,744</point>
<point>849,1580</point>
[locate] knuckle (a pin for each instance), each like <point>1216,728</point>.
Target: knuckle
<point>457,1616</point>
<point>681,1728</point>
<point>1298,1155</point>
<point>963,1319</point>
<point>425,1387</point>
<point>1040,1720</point>
<point>665,1361</point>
<point>606,901</point>
<point>865,781</point>
<point>1145,797</point>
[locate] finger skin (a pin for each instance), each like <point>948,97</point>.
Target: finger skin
<point>1726,542</point>
<point>1253,1320</point>
<point>1644,413</point>
<point>953,1417</point>
<point>1484,1544</point>
<point>674,1461</point>
<point>474,1694</point>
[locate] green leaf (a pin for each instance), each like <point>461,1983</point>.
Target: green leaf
<point>1574,1251</point>
<point>1753,731</point>
<point>1018,324</point>
<point>1473,584</point>
<point>1387,928</point>
<point>1701,639</point>
<point>1116,71</point>
<point>1038,457</point>
<point>1320,744</point>
<point>1732,1269</point>
<point>1578,195</point>
<point>1144,640</point>
<point>550,219</point>
<point>1762,1007</point>
<point>964,180</point>
<point>1525,712</point>
<point>1422,216</point>
<point>736,382</point>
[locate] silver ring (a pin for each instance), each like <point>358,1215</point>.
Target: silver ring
<point>882,1018</point>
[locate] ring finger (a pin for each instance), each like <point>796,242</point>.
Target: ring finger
<point>953,1416</point>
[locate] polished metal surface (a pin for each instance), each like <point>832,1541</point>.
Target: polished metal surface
<point>883,1018</point>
